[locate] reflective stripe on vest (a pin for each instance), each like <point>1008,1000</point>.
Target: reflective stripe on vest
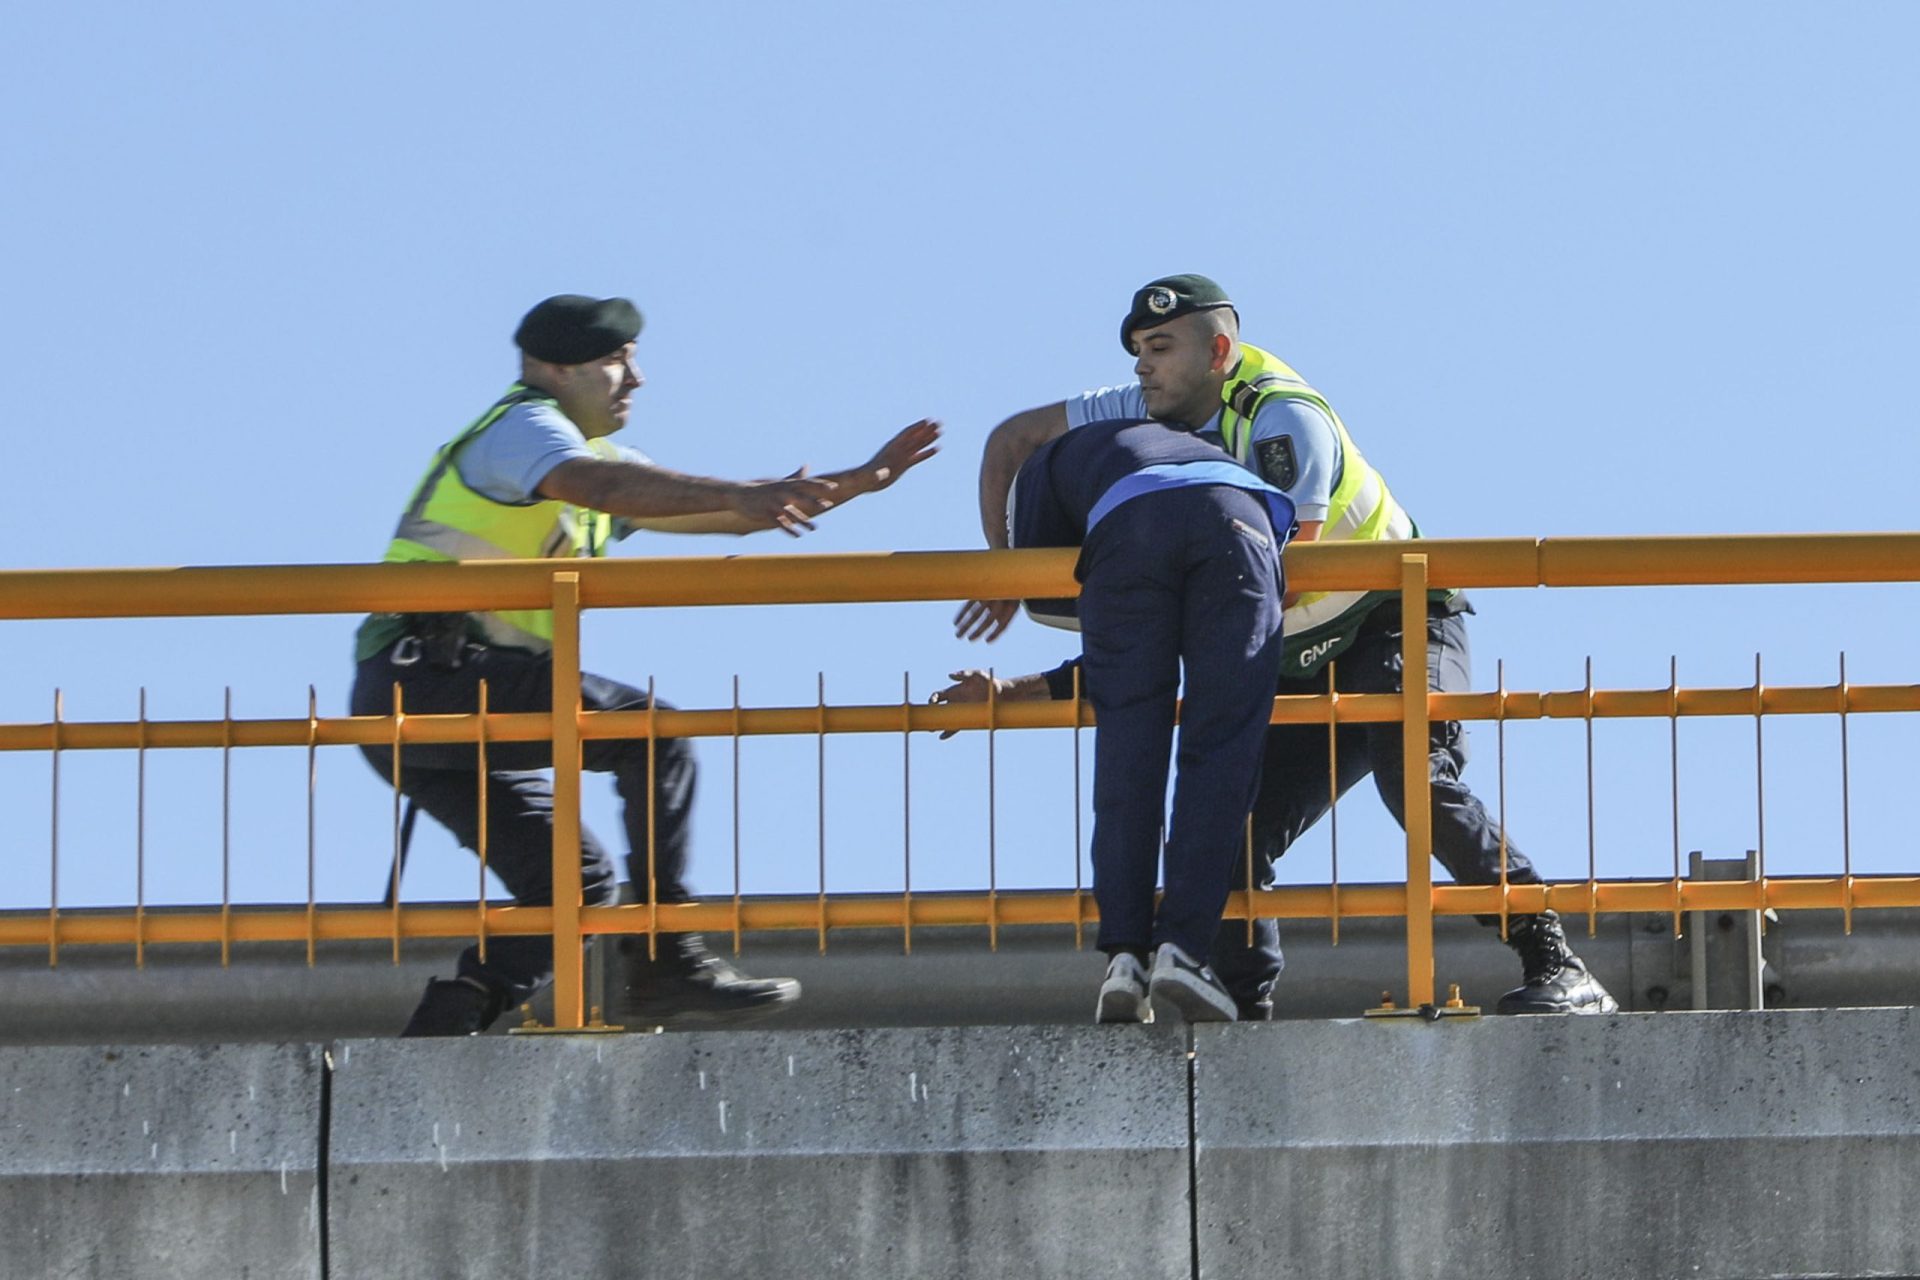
<point>1360,509</point>
<point>446,520</point>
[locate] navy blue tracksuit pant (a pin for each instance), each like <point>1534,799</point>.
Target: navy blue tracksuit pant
<point>1178,577</point>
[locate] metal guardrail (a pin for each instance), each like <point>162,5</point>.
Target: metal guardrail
<point>568,586</point>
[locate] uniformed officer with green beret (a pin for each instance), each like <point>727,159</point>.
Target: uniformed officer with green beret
<point>1184,334</point>
<point>538,475</point>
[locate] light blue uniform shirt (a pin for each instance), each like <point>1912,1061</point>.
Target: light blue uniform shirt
<point>508,460</point>
<point>1309,438</point>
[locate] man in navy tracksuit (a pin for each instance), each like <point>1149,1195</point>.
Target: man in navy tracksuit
<point>1180,567</point>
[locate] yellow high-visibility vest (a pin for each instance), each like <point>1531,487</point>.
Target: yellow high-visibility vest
<point>1361,508</point>
<point>445,520</point>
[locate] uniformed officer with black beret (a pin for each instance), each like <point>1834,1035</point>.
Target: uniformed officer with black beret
<point>1184,334</point>
<point>538,475</point>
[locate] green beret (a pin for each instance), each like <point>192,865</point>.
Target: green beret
<point>571,329</point>
<point>1168,297</point>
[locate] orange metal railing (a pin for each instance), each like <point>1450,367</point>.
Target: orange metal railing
<point>570,586</point>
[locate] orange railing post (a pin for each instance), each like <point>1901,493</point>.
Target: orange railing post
<point>569,966</point>
<point>1414,735</point>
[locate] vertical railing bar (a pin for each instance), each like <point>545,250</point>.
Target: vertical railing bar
<point>820,798</point>
<point>140,841</point>
<point>399,719</point>
<point>906,812</point>
<point>1333,801</point>
<point>1760,789</point>
<point>313,826</point>
<point>480,786</point>
<point>736,813</point>
<point>569,959</point>
<point>1673,755</point>
<point>993,863</point>
<point>1079,848</point>
<point>653,819</point>
<point>1846,811</point>
<point>1593,888</point>
<point>53,847</point>
<point>1500,785</point>
<point>226,829</point>
<point>1415,733</point>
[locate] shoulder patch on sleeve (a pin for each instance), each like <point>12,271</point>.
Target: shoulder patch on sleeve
<point>1278,466</point>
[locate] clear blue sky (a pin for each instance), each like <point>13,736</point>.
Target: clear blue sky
<point>1564,270</point>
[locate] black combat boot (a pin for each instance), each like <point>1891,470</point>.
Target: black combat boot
<point>454,1007</point>
<point>688,985</point>
<point>1554,979</point>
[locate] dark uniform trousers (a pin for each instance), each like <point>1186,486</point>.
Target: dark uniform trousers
<point>442,779</point>
<point>1183,576</point>
<point>1294,792</point>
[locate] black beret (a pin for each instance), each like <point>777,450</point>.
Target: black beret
<point>571,329</point>
<point>1162,300</point>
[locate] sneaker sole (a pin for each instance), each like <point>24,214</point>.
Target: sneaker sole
<point>1122,1006</point>
<point>1191,1003</point>
<point>641,1015</point>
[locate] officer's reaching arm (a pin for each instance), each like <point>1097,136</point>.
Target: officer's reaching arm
<point>656,498</point>
<point>1008,447</point>
<point>644,493</point>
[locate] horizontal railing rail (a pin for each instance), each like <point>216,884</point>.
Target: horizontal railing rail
<point>1742,559</point>
<point>568,587</point>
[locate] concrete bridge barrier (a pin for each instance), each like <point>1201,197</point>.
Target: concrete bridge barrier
<point>1644,1145</point>
<point>167,1161</point>
<point>981,1151</point>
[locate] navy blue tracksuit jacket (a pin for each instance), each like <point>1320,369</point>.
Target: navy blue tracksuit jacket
<point>1179,567</point>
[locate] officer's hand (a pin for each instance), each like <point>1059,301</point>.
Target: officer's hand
<point>788,504</point>
<point>984,619</point>
<point>902,453</point>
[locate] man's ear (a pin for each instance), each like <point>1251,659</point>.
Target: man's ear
<point>1222,347</point>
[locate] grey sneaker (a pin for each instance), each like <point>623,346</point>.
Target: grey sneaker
<point>1123,996</point>
<point>1188,988</point>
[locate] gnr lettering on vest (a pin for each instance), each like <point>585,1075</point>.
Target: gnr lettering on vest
<point>1313,653</point>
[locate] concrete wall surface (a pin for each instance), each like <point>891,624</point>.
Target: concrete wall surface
<point>1643,1145</point>
<point>981,1151</point>
<point>168,1161</point>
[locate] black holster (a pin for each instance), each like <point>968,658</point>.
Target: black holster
<point>443,638</point>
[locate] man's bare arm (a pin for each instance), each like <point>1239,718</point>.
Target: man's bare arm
<point>670,501</point>
<point>642,493</point>
<point>1008,447</point>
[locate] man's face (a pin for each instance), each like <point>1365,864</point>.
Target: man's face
<point>598,395</point>
<point>1175,364</point>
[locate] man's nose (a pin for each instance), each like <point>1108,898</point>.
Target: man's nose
<point>635,379</point>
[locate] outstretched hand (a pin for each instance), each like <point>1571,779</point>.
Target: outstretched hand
<point>901,454</point>
<point>984,619</point>
<point>788,504</point>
